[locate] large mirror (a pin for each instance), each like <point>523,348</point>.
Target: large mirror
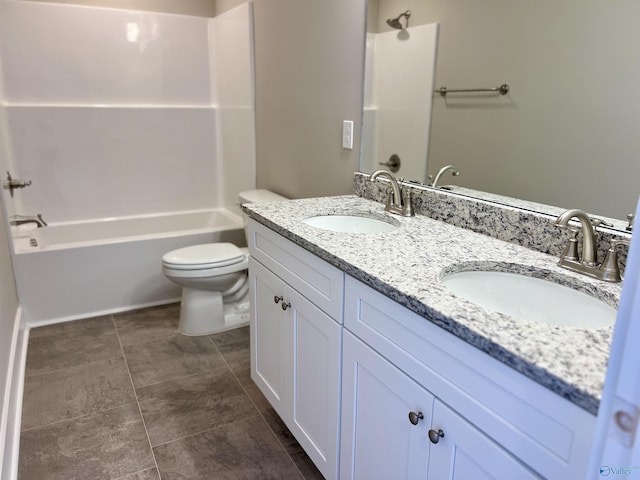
<point>568,131</point>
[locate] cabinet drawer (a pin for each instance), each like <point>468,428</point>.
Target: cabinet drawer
<point>545,431</point>
<point>321,283</point>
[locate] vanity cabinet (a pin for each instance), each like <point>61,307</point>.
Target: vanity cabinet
<point>296,341</point>
<point>394,428</point>
<point>378,439</point>
<point>496,423</point>
<point>366,385</point>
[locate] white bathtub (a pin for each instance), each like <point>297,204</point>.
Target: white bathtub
<point>74,270</point>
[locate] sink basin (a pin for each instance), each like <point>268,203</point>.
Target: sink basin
<point>350,224</point>
<point>530,298</point>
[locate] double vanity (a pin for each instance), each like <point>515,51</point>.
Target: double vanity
<point>381,371</point>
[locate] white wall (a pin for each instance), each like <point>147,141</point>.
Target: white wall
<point>113,112</point>
<point>202,8</point>
<point>8,295</point>
<point>231,41</point>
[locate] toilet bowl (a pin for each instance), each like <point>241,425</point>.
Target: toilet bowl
<point>214,280</point>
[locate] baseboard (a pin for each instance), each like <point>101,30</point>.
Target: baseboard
<point>98,313</point>
<point>12,405</point>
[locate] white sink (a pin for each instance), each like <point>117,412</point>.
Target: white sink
<point>350,224</point>
<point>530,298</point>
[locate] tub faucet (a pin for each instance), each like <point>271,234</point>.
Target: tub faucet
<point>442,171</point>
<point>588,264</point>
<point>397,204</point>
<point>20,219</point>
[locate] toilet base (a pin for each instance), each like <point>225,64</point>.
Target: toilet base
<point>204,313</point>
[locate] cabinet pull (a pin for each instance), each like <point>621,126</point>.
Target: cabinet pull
<point>277,299</point>
<point>435,436</point>
<point>414,417</point>
<point>285,305</point>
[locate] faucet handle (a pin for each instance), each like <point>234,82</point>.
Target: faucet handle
<point>407,205</point>
<point>610,270</point>
<point>571,250</point>
<point>596,222</point>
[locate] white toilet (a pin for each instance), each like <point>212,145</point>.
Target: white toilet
<point>214,280</point>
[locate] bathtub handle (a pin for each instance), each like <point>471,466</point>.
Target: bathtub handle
<point>277,299</point>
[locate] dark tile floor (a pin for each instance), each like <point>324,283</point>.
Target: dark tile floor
<point>127,397</point>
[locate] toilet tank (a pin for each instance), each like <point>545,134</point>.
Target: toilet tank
<point>257,196</point>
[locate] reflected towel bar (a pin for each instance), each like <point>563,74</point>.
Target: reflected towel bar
<point>502,90</point>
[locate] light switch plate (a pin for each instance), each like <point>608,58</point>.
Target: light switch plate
<point>347,134</point>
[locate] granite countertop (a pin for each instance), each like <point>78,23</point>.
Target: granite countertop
<point>406,265</point>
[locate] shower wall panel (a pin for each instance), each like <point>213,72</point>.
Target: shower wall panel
<point>116,112</point>
<point>89,163</point>
<point>67,54</point>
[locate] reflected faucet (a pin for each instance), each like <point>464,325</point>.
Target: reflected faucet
<point>20,219</point>
<point>396,204</point>
<point>442,171</point>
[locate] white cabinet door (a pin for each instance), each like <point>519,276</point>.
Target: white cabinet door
<point>378,440</point>
<point>295,361</point>
<point>316,342</point>
<point>269,332</point>
<point>465,453</point>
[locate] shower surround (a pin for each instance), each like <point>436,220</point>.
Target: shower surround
<point>116,113</point>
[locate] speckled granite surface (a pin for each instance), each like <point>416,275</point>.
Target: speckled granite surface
<point>523,224</point>
<point>406,265</point>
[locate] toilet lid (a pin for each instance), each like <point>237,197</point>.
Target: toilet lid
<point>209,255</point>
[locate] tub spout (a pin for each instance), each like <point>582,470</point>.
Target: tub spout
<point>20,219</point>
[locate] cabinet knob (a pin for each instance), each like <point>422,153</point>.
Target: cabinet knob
<point>285,305</point>
<point>435,436</point>
<point>414,417</point>
<point>277,299</point>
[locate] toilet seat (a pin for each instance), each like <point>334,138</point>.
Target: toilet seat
<point>207,256</point>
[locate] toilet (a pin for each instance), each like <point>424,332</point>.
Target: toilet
<point>213,276</point>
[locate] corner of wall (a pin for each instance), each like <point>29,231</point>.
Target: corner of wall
<point>12,399</point>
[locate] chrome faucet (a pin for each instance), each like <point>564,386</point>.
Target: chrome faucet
<point>442,171</point>
<point>609,271</point>
<point>20,219</point>
<point>397,204</point>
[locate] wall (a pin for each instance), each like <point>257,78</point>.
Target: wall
<point>397,110</point>
<point>113,113</point>
<point>571,67</point>
<point>202,8</point>
<point>8,296</point>
<point>231,46</point>
<point>309,76</point>
<point>300,105</point>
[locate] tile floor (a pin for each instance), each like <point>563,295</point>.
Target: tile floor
<point>127,397</point>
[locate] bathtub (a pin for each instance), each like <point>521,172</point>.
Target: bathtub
<point>67,271</point>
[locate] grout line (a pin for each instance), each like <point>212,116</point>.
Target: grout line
<point>273,433</point>
<point>181,377</point>
<point>135,394</point>
<point>217,427</point>
<point>77,365</point>
<point>133,473</point>
<point>259,414</point>
<point>283,447</point>
<point>57,422</point>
